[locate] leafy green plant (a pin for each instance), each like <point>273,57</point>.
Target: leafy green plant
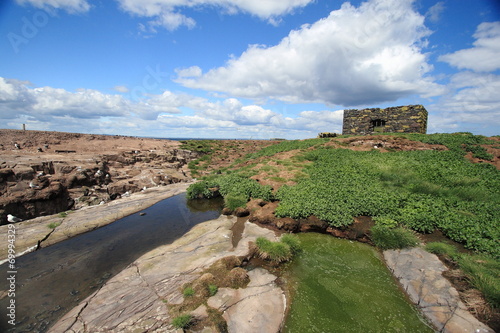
<point>182,321</point>
<point>422,190</point>
<point>201,189</point>
<point>385,222</point>
<point>392,238</point>
<point>63,214</point>
<point>233,184</point>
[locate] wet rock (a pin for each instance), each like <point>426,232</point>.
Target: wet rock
<point>420,274</point>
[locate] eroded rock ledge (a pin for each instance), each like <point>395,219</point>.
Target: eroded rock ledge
<point>419,273</point>
<point>137,299</point>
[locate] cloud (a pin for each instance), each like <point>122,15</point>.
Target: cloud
<point>122,89</point>
<point>71,6</point>
<point>355,56</point>
<point>473,101</point>
<point>484,56</point>
<point>167,13</point>
<point>434,13</point>
<point>179,115</point>
<point>473,92</point>
<point>38,102</point>
<point>193,71</point>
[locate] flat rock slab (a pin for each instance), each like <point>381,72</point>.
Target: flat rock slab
<point>136,299</point>
<point>257,308</point>
<point>419,272</point>
<point>30,232</point>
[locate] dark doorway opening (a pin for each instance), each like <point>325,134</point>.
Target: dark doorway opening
<point>378,125</point>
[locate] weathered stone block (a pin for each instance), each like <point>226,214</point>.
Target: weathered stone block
<point>400,119</point>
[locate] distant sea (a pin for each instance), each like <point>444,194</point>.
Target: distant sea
<point>181,139</point>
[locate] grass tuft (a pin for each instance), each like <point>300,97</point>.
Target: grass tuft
<point>188,292</point>
<point>393,238</point>
<point>278,251</point>
<point>182,321</point>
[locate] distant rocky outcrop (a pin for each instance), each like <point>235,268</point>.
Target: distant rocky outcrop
<point>77,170</point>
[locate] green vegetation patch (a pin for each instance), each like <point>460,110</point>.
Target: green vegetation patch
<point>422,190</point>
<point>235,189</point>
<point>441,248</point>
<point>483,273</point>
<point>188,292</point>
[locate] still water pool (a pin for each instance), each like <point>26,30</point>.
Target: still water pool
<point>343,286</point>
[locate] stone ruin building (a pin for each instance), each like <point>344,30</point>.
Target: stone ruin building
<point>398,119</point>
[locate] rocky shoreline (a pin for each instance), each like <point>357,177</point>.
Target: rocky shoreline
<point>44,173</point>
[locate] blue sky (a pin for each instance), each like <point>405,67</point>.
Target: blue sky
<point>245,68</point>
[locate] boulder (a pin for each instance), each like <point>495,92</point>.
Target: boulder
<point>23,172</point>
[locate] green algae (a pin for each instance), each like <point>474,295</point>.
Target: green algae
<point>343,286</point>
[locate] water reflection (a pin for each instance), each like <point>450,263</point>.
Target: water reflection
<point>53,280</point>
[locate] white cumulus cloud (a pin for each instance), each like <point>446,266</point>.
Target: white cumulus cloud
<point>168,13</point>
<point>484,56</point>
<point>355,56</point>
<point>71,6</point>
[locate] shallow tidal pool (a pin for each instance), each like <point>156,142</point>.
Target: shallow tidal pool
<point>338,285</point>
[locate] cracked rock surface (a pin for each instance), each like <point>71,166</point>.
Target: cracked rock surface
<point>136,299</point>
<point>419,273</point>
<point>253,309</point>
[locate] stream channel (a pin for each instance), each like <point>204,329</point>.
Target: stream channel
<point>53,280</point>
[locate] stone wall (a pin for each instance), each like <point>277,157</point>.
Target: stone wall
<point>399,119</point>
